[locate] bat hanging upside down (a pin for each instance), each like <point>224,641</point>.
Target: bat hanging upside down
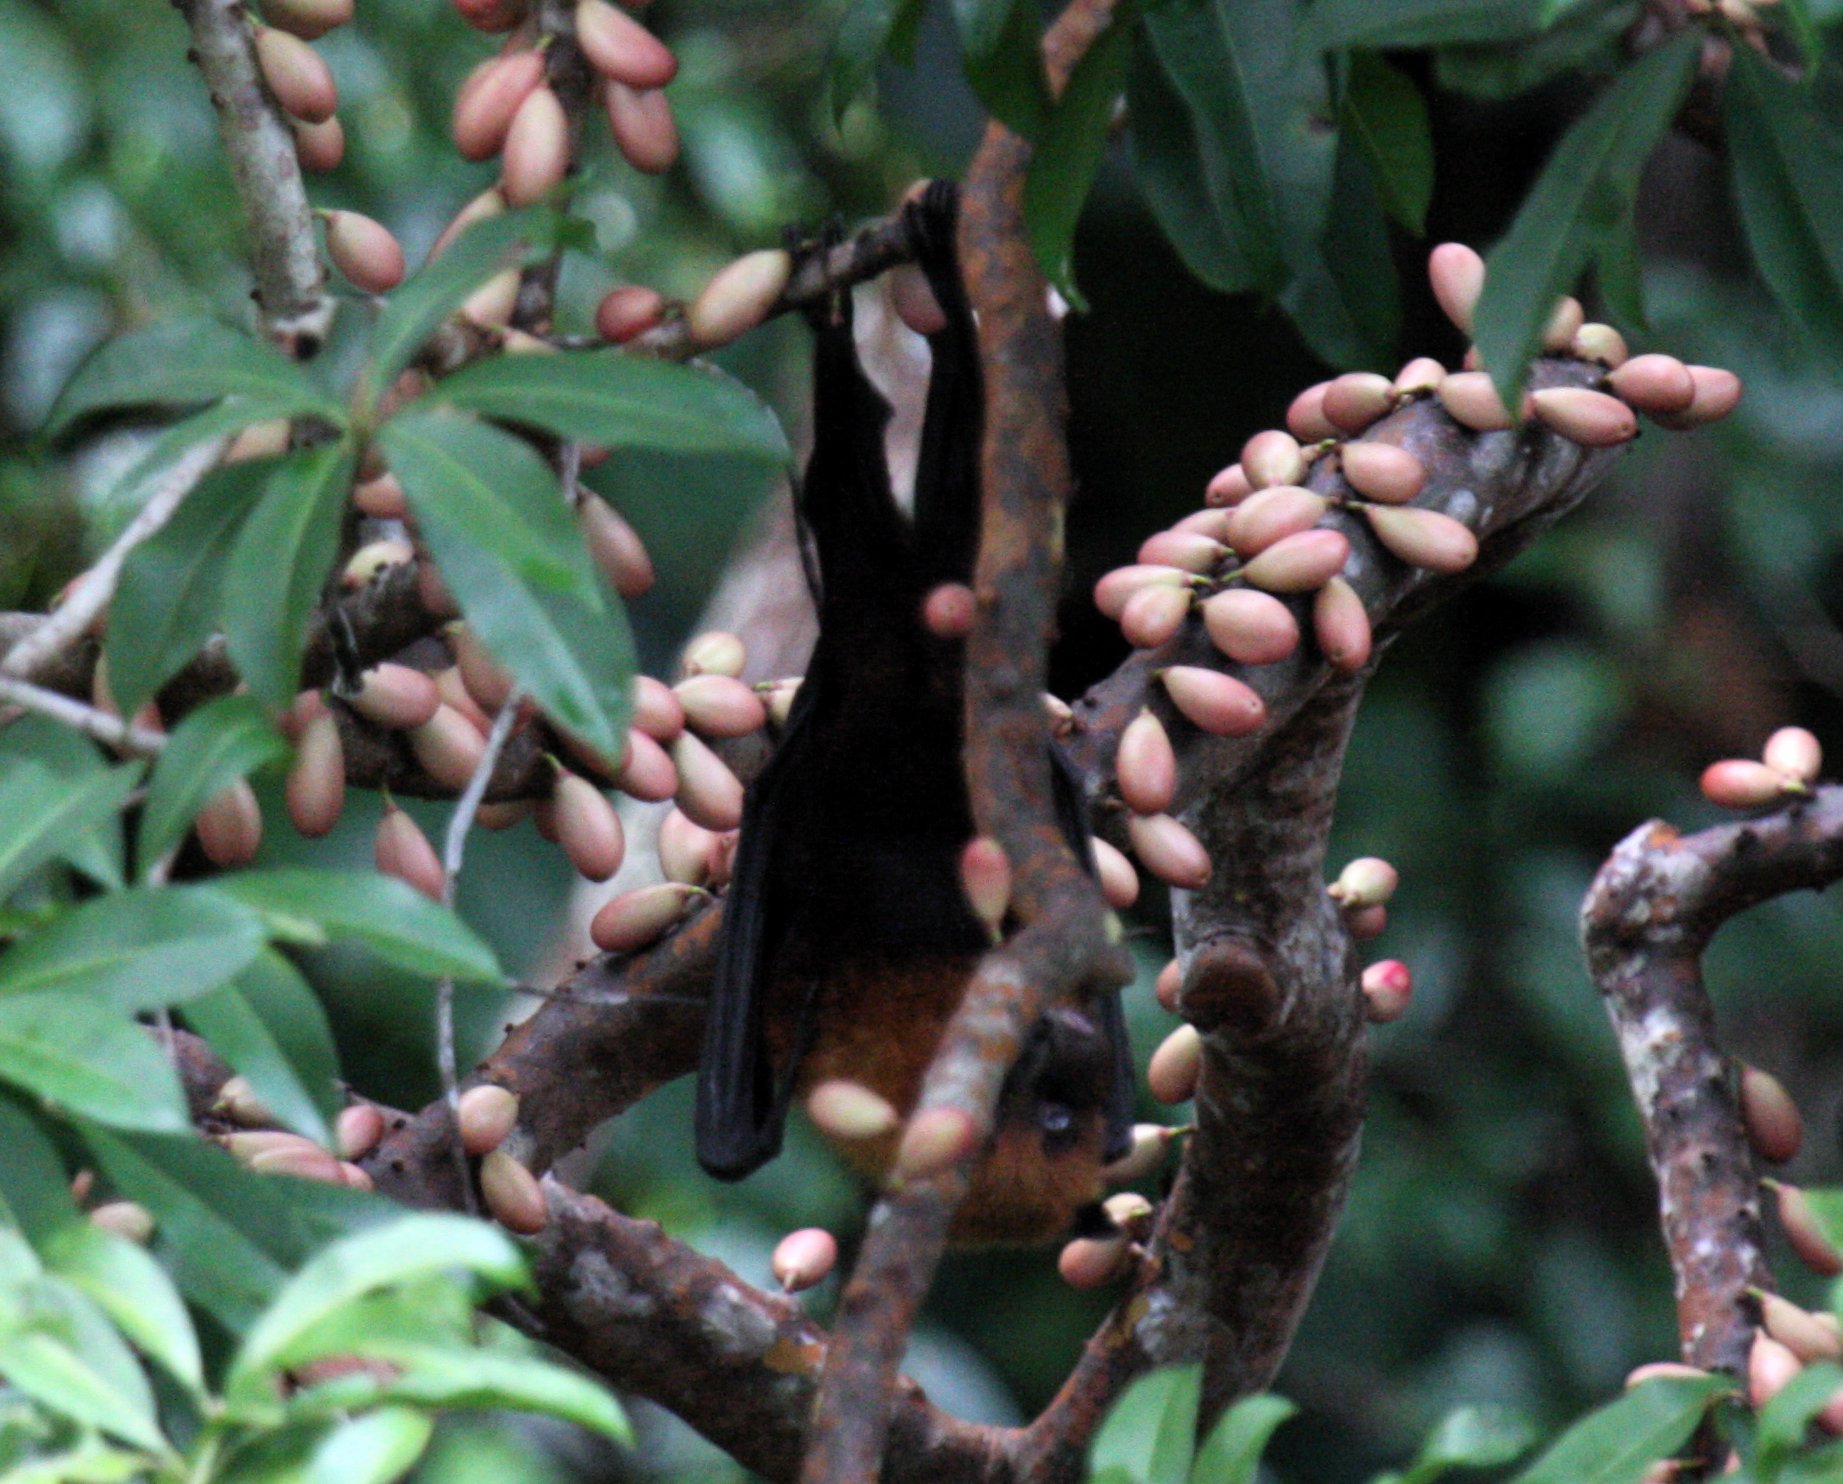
<point>847,938</point>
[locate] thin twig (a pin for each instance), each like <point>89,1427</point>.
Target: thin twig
<point>92,721</point>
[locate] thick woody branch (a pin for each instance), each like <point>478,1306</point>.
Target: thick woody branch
<point>1652,910</point>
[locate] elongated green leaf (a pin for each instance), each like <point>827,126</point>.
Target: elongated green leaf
<point>1827,1209</point>
<point>1586,39</point>
<point>1385,117</point>
<point>36,1192</point>
<point>437,289</point>
<point>1231,1454</point>
<point>1618,1442</point>
<point>374,1449</point>
<point>623,401</point>
<point>1809,40</point>
<point>41,814</point>
<point>85,1058</point>
<point>1070,151</point>
<point>1335,24</point>
<point>56,1377</point>
<point>867,30</point>
<point>137,950</point>
<point>217,744</point>
<point>187,360</point>
<point>1470,1438</point>
<point>490,512</point>
<point>1344,297</point>
<point>1150,1435</point>
<point>1785,1420</point>
<point>40,742</point>
<point>377,913</point>
<point>999,46</point>
<point>1583,195</point>
<point>134,1291</point>
<point>1788,178</point>
<point>405,1251</point>
<point>269,1026</point>
<point>279,565</point>
<point>167,604</point>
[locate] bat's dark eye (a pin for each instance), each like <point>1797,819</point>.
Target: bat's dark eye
<point>1060,1127</point>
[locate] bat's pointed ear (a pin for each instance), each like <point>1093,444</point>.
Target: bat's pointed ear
<point>931,220</point>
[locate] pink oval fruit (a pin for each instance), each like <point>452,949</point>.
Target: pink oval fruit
<point>619,47</point>
<point>636,919</point>
<point>644,129</point>
<point>1358,398</point>
<point>804,1258</point>
<point>1169,850</point>
<point>537,149</point>
<point>297,75</point>
<point>1146,766</point>
<point>1341,625</point>
<point>1176,1066</point>
<point>1270,515</point>
<point>1381,471</point>
<point>1218,704</point>
<point>1300,563</point>
<point>1424,538</point>
<point>1589,418</point>
<point>1271,458</point>
<point>1457,275</point>
<point>1250,627</point>
<point>1305,418</point>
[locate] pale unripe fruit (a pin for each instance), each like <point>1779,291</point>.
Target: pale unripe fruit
<point>259,441</point>
<point>1119,881</point>
<point>1381,471</point>
<point>1169,985</point>
<point>1270,515</point>
<point>1794,753</point>
<point>1802,1231</point>
<point>488,203</point>
<point>1564,324</point>
<point>934,1139</point>
<point>648,774</point>
<point>1219,704</point>
<point>1305,418</point>
<point>319,147</point>
<point>1229,486</point>
<point>1250,627</point>
<point>1740,783</point>
<point>1113,591</point>
<point>358,1130</point>
<point>850,1111</point>
<point>1473,402</point>
<point>395,696</point>
<point>1422,374</point>
<point>316,789</point>
<point>1368,881</point>
<point>1059,714</point>
<point>657,710</point>
<point>684,849</point>
<point>1300,563</point>
<point>1387,989</point>
<point>780,695</point>
<point>1153,615</point>
<point>948,610</point>
<point>237,1101</point>
<point>713,653</point>
<point>351,1175</point>
<point>300,1159</point>
<point>457,698</point>
<point>364,250</point>
<point>739,297</point>
<point>1658,1370</point>
<point>402,850</point>
<point>985,877</point>
<point>1130,1212</point>
<point>1093,1262</point>
<point>1189,550</point>
<point>1169,850</point>
<point>1457,275</point>
<point>1654,383</point>
<point>1718,393</point>
<point>491,305</point>
<point>297,75</point>
<point>1591,419</point>
<point>245,1146</point>
<point>1171,1076</point>
<point>448,747</point>
<point>1602,343</point>
<point>307,19</point>
<point>537,150</point>
<point>1366,923</point>
<point>229,827</point>
<point>1770,1116</point>
<point>588,829</point>
<point>804,1258</point>
<point>1341,625</point>
<point>372,558</point>
<point>629,312</point>
<point>707,791</point>
<point>636,919</point>
<point>512,1194</point>
<point>488,100</point>
<point>1424,538</point>
<point>1358,398</point>
<point>125,1219</point>
<point>1151,1143</point>
<point>1271,458</point>
<point>488,1113</point>
<point>720,706</point>
<point>1146,767</point>
<point>619,47</point>
<point>644,130</point>
<point>1771,1367</point>
<point>1800,1331</point>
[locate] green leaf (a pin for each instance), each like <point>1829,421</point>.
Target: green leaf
<point>1385,117</point>
<point>622,401</point>
<point>55,1376</point>
<point>217,744</point>
<point>36,1191</point>
<point>44,814</point>
<point>1621,275</point>
<point>1232,1452</point>
<point>1827,1210</point>
<point>1805,34</point>
<point>88,1059</point>
<point>40,742</point>
<point>1618,1442</point>
<point>404,1251</point>
<point>1588,39</point>
<point>374,1449</point>
<point>1344,297</point>
<point>1150,1434</point>
<point>269,1026</point>
<point>137,950</point>
<point>490,511</point>
<point>1000,44</point>
<point>1470,1438</point>
<point>187,360</point>
<point>279,566</point>
<point>1788,177</point>
<point>415,310</point>
<point>167,604</point>
<point>1583,195</point>
<point>869,29</point>
<point>1785,1419</point>
<point>381,914</point>
<point>1063,167</point>
<point>1335,24</point>
<point>134,1291</point>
